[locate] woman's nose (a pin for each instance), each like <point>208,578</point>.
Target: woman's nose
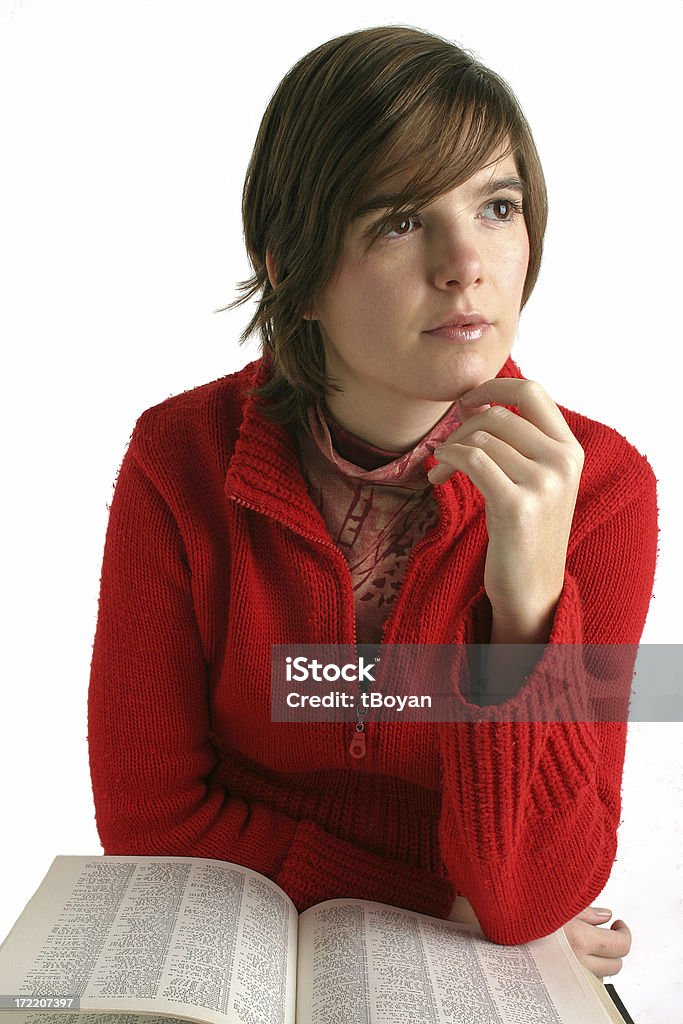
<point>457,261</point>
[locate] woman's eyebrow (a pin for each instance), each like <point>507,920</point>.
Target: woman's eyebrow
<point>376,203</point>
<point>500,185</point>
<point>385,202</point>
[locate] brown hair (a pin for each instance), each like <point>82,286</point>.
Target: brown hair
<point>349,116</point>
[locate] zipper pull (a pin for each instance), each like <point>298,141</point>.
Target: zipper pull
<point>357,748</point>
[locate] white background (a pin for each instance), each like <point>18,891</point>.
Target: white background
<point>125,131</point>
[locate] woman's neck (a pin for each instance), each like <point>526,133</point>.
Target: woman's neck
<point>389,433</point>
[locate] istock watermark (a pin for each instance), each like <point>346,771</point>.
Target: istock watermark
<point>303,670</point>
<point>477,682</point>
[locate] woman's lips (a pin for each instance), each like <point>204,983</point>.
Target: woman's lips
<point>466,332</point>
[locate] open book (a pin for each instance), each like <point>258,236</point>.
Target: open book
<point>204,940</point>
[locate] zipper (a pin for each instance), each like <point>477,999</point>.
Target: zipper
<point>358,746</point>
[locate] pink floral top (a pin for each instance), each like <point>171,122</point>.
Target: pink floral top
<point>377,504</point>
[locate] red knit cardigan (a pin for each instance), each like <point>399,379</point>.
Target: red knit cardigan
<point>214,551</point>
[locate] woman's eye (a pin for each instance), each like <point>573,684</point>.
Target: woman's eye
<point>503,210</point>
<point>399,228</point>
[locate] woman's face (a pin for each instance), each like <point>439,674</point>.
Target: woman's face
<point>464,256</point>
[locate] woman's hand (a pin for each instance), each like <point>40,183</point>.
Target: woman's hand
<point>601,950</point>
<point>528,468</point>
<point>598,949</point>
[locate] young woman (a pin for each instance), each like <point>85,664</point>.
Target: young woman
<point>383,474</point>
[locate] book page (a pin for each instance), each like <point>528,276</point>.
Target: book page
<point>47,1017</point>
<point>178,936</point>
<point>365,963</point>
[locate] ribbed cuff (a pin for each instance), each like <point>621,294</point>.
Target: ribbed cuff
<point>548,879</point>
<point>555,689</point>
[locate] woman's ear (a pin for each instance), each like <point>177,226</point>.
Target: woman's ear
<point>272,277</point>
<point>270,267</point>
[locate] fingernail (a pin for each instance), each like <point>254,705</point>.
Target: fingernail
<point>601,912</point>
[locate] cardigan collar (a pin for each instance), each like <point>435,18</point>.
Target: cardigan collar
<point>264,472</point>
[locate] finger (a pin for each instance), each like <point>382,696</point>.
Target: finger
<point>624,933</point>
<point>484,473</point>
<point>603,967</point>
<point>522,435</point>
<point>609,943</point>
<point>468,411</point>
<point>513,463</point>
<point>606,957</point>
<point>595,915</point>
<point>532,400</point>
<point>587,936</point>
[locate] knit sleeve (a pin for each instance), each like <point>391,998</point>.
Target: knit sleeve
<point>531,807</point>
<point>151,753</point>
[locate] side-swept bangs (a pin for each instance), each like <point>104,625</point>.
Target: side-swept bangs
<point>356,114</point>
<point>448,138</point>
